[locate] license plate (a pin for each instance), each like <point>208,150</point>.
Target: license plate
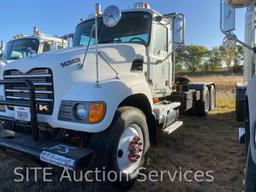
<point>22,113</point>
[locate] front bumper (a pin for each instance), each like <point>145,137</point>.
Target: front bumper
<point>58,154</point>
<point>61,155</point>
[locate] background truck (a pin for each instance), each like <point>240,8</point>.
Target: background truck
<point>22,46</point>
<point>104,100</point>
<point>1,48</point>
<point>245,97</point>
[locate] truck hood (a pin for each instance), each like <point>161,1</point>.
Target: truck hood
<point>120,56</point>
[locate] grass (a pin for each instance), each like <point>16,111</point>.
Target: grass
<point>223,83</point>
<point>209,143</point>
<point>225,100</point>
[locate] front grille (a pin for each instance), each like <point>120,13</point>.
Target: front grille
<point>42,80</point>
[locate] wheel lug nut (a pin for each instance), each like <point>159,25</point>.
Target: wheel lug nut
<point>137,157</point>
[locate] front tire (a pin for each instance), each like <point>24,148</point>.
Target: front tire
<point>121,148</point>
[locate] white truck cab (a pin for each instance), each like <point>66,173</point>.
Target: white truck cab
<point>1,48</point>
<point>110,93</point>
<point>245,91</point>
<point>22,46</point>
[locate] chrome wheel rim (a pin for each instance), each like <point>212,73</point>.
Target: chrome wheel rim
<point>130,150</point>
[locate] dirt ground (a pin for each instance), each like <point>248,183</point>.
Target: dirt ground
<point>206,144</point>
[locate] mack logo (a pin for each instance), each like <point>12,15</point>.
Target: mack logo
<point>43,108</point>
<point>71,62</point>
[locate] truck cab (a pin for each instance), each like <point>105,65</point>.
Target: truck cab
<point>22,46</point>
<point>142,41</point>
<point>110,93</point>
<point>245,91</point>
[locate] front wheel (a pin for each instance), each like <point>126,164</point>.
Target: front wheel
<point>121,148</point>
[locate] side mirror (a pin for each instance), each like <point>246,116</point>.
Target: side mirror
<point>228,18</point>
<point>227,22</point>
<point>239,3</point>
<point>178,29</point>
<point>178,34</point>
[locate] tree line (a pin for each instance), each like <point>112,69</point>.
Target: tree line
<point>193,58</point>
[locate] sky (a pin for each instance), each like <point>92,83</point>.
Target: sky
<point>59,17</point>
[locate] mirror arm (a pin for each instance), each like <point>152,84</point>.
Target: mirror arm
<point>109,64</point>
<point>221,22</point>
<point>88,45</point>
<point>244,44</point>
<point>171,53</point>
<point>234,37</point>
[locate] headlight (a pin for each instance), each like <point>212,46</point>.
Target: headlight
<point>90,112</point>
<point>81,111</point>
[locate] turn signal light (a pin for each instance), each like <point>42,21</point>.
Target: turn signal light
<point>156,100</point>
<point>96,112</point>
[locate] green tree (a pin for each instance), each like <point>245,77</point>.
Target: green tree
<point>178,67</point>
<point>239,55</point>
<point>191,57</point>
<point>214,60</point>
<point>228,55</point>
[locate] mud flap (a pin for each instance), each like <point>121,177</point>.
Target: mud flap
<point>58,154</point>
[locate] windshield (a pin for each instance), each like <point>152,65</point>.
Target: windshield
<point>134,27</point>
<point>20,48</point>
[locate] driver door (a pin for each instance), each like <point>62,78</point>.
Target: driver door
<point>159,70</point>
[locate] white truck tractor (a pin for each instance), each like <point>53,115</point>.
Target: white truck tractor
<point>22,46</point>
<point>1,48</point>
<point>102,102</point>
<point>245,96</point>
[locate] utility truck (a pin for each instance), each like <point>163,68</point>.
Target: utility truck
<point>22,46</point>
<point>102,102</point>
<point>245,91</point>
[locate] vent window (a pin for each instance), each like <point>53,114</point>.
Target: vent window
<point>137,65</point>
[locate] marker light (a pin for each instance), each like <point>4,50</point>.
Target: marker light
<point>141,5</point>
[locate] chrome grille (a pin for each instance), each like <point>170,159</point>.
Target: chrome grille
<point>42,79</point>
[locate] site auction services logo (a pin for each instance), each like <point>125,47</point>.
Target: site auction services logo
<point>45,174</point>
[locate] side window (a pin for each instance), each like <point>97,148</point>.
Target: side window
<point>160,39</point>
<point>47,47</point>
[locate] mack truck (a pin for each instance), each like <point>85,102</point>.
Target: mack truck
<point>245,91</point>
<point>21,46</point>
<point>102,102</point>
